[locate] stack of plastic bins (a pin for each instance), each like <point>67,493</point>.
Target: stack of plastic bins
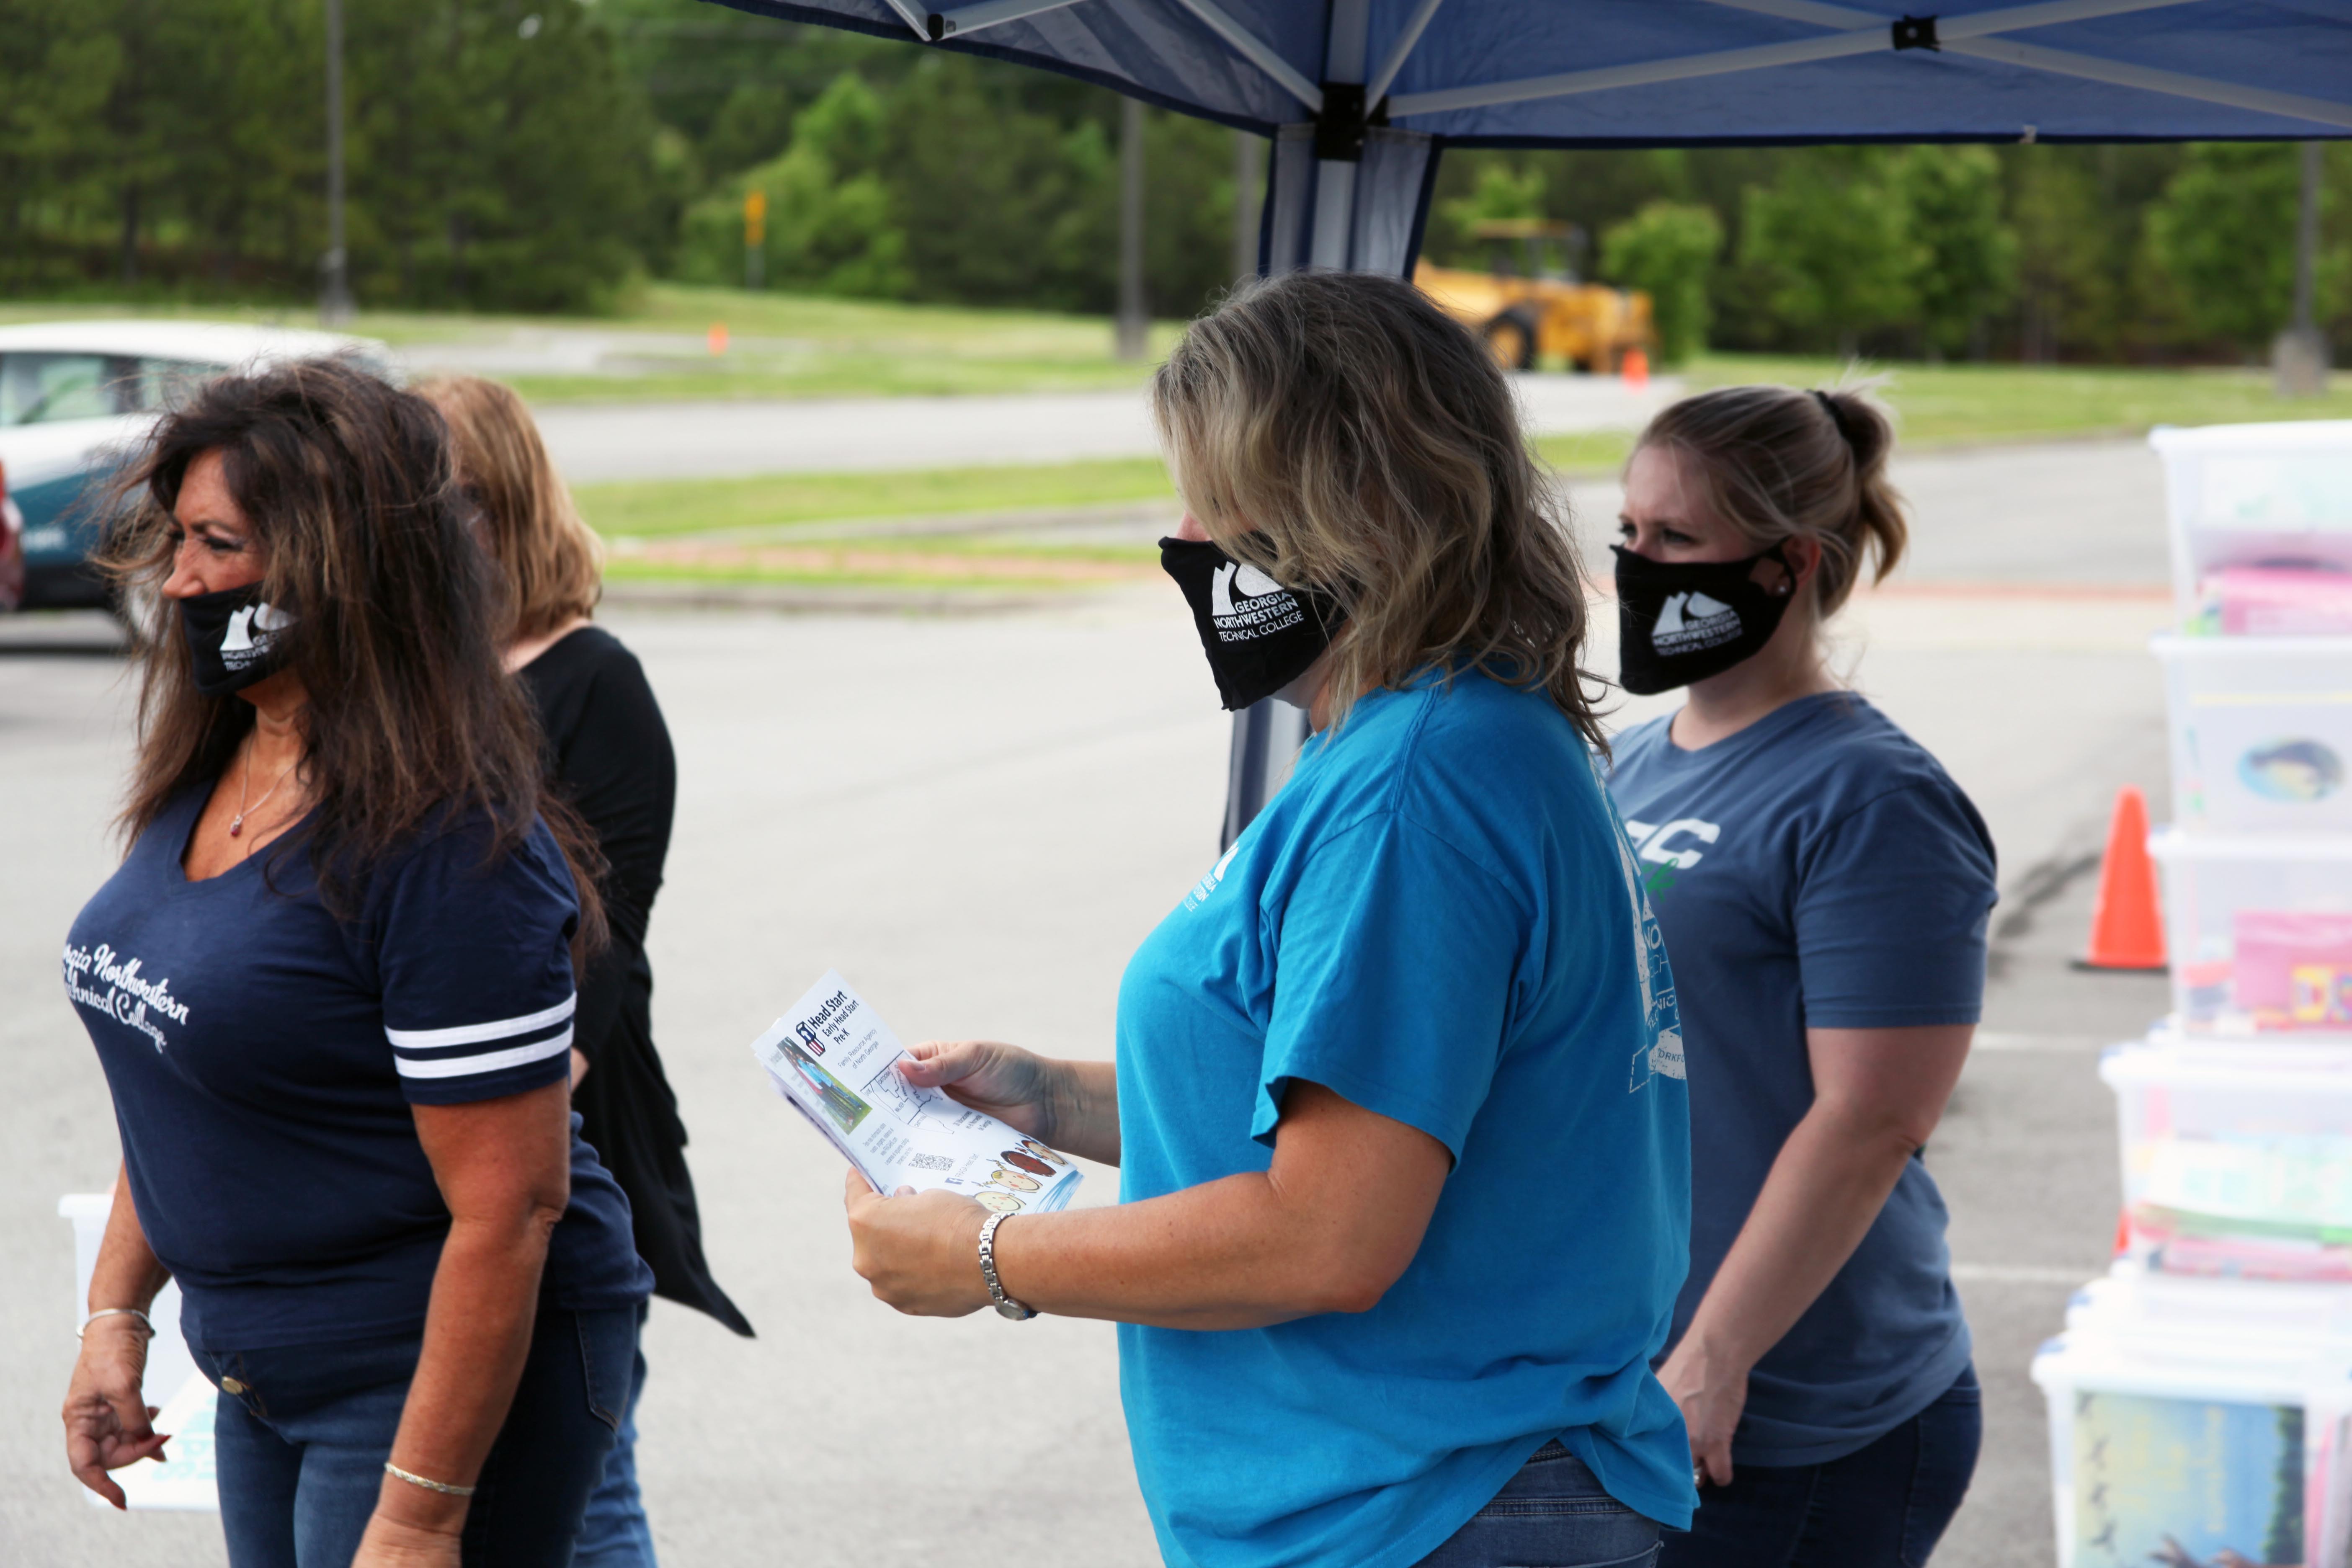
<point>2200,1398</point>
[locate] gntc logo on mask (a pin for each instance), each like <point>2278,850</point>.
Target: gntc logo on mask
<point>250,632</point>
<point>1252,620</point>
<point>1692,622</point>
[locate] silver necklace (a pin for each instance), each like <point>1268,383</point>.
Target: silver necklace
<point>245,783</point>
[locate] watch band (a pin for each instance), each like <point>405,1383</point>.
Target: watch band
<point>1005,1305</point>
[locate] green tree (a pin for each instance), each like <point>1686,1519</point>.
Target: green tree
<point>1966,255</point>
<point>1668,251</point>
<point>2224,234</point>
<point>1831,241</point>
<point>58,65</point>
<point>1500,190</point>
<point>831,223</point>
<point>1002,204</point>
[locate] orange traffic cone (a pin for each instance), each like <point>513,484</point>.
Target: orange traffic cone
<point>1635,368</point>
<point>2126,924</point>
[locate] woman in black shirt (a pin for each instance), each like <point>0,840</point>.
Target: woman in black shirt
<point>609,757</point>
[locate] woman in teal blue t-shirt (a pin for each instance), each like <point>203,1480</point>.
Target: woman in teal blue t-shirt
<point>1399,1100</point>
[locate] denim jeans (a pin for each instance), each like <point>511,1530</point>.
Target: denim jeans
<point>302,1432</point>
<point>1552,1514</point>
<point>1883,1507</point>
<point>614,1533</point>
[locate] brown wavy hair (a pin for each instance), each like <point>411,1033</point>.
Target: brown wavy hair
<point>553,560</point>
<point>411,717</point>
<point>1337,430</point>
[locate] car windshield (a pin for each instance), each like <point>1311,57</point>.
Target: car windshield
<point>46,387</point>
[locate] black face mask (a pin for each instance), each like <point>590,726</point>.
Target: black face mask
<point>1680,621</point>
<point>1259,635</point>
<point>234,639</point>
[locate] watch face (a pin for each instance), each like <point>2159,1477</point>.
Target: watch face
<point>1013,1309</point>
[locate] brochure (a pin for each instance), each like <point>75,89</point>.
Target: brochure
<point>836,1062</point>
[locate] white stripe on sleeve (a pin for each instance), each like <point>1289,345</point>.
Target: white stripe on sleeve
<point>487,1061</point>
<point>473,1034</point>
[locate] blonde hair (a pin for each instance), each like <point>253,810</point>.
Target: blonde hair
<point>1338,431</point>
<point>553,563</point>
<point>1778,464</point>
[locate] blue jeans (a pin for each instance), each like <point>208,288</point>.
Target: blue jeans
<point>302,1432</point>
<point>1883,1507</point>
<point>1552,1514</point>
<point>614,1533</point>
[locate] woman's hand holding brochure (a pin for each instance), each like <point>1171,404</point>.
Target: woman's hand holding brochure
<point>834,1061</point>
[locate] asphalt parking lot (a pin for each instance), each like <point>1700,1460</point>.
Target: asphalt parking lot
<point>976,820</point>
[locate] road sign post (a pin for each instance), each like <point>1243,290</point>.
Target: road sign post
<point>755,238</point>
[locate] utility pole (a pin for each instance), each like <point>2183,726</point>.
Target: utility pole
<point>334,268</point>
<point>1246,205</point>
<point>2299,357</point>
<point>1134,325</point>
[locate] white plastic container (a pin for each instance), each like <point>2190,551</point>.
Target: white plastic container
<point>2237,1162</point>
<point>2261,733</point>
<point>2133,1301</point>
<point>2254,495</point>
<point>2220,1443</point>
<point>2259,930</point>
<point>184,1480</point>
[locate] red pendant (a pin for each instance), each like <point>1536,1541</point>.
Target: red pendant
<point>235,827</point>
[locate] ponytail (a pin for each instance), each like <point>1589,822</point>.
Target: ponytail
<point>1780,464</point>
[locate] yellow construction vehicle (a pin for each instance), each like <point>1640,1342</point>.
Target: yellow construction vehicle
<point>1532,306</point>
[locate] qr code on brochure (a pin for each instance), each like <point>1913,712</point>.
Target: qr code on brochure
<point>928,1162</point>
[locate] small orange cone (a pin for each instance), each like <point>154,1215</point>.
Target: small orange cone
<point>716,337</point>
<point>2126,924</point>
<point>1635,368</point>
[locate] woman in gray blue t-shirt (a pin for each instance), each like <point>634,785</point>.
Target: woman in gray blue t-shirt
<point>1823,888</point>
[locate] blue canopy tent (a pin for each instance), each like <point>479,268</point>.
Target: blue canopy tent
<point>1361,96</point>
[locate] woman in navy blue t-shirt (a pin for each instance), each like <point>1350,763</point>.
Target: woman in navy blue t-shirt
<point>331,988</point>
<point>1823,888</point>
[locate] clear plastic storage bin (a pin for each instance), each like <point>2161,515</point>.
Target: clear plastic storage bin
<point>2237,1162</point>
<point>2196,1448</point>
<point>2136,1301</point>
<point>2259,930</point>
<point>2261,733</point>
<point>2255,495</point>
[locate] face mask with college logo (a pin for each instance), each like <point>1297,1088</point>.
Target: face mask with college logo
<point>234,639</point>
<point>1680,621</point>
<point>1259,635</point>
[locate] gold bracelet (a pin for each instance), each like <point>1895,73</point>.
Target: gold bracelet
<point>415,1480</point>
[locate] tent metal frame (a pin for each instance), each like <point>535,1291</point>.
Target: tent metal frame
<point>1976,34</point>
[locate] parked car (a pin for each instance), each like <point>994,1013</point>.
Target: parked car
<point>76,398</point>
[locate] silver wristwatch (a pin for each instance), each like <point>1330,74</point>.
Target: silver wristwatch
<point>1005,1305</point>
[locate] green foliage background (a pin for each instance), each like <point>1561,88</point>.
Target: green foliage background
<point>549,154</point>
